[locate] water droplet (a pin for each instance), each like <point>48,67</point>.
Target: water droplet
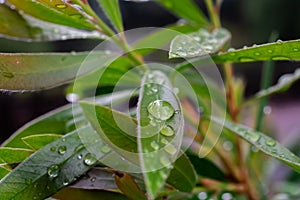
<point>257,54</point>
<point>296,49</point>
<point>167,131</point>
<point>53,149</point>
<point>267,110</point>
<point>2,1</point>
<point>89,159</point>
<point>170,149</point>
<point>279,42</point>
<point>202,195</point>
<point>53,171</point>
<point>270,142</point>
<point>227,145</point>
<point>280,58</point>
<point>7,74</point>
<point>93,179</point>
<point>73,53</point>
<point>270,51</point>
<point>164,141</point>
<point>282,156</point>
<point>34,197</point>
<point>66,182</point>
<point>79,157</point>
<point>164,161</point>
<point>61,6</point>
<point>231,49</point>
<point>76,16</point>
<point>28,181</point>
<point>72,97</point>
<point>252,136</point>
<point>246,59</point>
<point>254,149</point>
<point>62,150</point>
<point>154,145</point>
<point>105,149</point>
<point>161,109</point>
<point>226,196</point>
<point>163,174</point>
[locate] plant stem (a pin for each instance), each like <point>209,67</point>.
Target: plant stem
<point>213,13</point>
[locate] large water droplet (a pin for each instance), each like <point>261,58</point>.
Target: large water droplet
<point>154,145</point>
<point>90,159</point>
<point>164,141</point>
<point>72,97</point>
<point>227,196</point>
<point>252,136</point>
<point>53,171</point>
<point>270,142</point>
<point>79,157</point>
<point>167,131</point>
<point>170,149</point>
<point>105,149</point>
<point>202,196</point>
<point>62,150</point>
<point>161,109</point>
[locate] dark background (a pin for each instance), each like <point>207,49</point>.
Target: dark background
<point>251,22</point>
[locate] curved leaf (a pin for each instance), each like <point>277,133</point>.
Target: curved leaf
<point>264,143</point>
<point>49,169</point>
<point>287,50</point>
<point>199,43</point>
<point>13,155</point>
<point>37,71</point>
<point>160,129</point>
<point>55,11</point>
<point>36,142</point>
<point>112,10</point>
<point>186,9</point>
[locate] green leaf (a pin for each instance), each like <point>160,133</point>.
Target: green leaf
<point>13,155</point>
<point>160,129</point>
<point>78,194</point>
<point>38,71</point>
<point>3,172</point>
<point>55,11</point>
<point>199,43</point>
<point>264,143</point>
<point>186,9</point>
<point>36,142</point>
<point>60,121</point>
<point>112,10</point>
<point>287,50</point>
<point>284,83</point>
<point>118,142</point>
<point>48,170</point>
<point>12,24</point>
<point>160,37</point>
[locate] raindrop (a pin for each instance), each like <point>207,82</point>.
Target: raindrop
<point>105,149</point>
<point>161,109</point>
<point>62,150</point>
<point>73,53</point>
<point>170,149</point>
<point>34,197</point>
<point>66,182</point>
<point>202,195</point>
<point>61,6</point>
<point>164,141</point>
<point>279,42</point>
<point>295,49</point>
<point>79,157</point>
<point>89,159</point>
<point>28,181</point>
<point>246,59</point>
<point>257,54</point>
<point>72,97</point>
<point>154,145</point>
<point>254,149</point>
<point>271,142</point>
<point>53,149</point>
<point>93,179</point>
<point>167,131</point>
<point>163,174</point>
<point>231,49</point>
<point>164,161</point>
<point>252,136</point>
<point>227,196</point>
<point>227,145</point>
<point>267,110</point>
<point>53,171</point>
<point>270,51</point>
<point>280,58</point>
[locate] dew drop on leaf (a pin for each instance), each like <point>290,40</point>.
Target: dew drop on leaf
<point>270,142</point>
<point>53,149</point>
<point>61,6</point>
<point>170,149</point>
<point>53,171</point>
<point>280,58</point>
<point>164,161</point>
<point>161,109</point>
<point>28,181</point>
<point>79,157</point>
<point>164,141</point>
<point>246,59</point>
<point>154,145</point>
<point>167,131</point>
<point>93,179</point>
<point>62,150</point>
<point>89,159</point>
<point>105,149</point>
<point>66,182</point>
<point>202,195</point>
<point>270,51</point>
<point>252,136</point>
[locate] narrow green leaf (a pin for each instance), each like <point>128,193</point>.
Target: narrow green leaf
<point>55,11</point>
<point>78,194</point>
<point>264,143</point>
<point>186,9</point>
<point>12,24</point>
<point>3,172</point>
<point>60,121</point>
<point>37,71</point>
<point>48,170</point>
<point>36,142</point>
<point>115,142</point>
<point>287,50</point>
<point>112,10</point>
<point>13,155</point>
<point>160,129</point>
<point>199,43</point>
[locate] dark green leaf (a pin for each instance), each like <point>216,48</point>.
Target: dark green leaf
<point>3,172</point>
<point>13,155</point>
<point>186,9</point>
<point>160,129</point>
<point>37,71</point>
<point>199,43</point>
<point>48,170</point>
<point>264,143</point>
<point>287,50</point>
<point>112,10</point>
<point>55,11</point>
<point>36,142</point>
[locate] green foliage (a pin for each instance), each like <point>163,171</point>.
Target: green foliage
<point>98,148</point>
